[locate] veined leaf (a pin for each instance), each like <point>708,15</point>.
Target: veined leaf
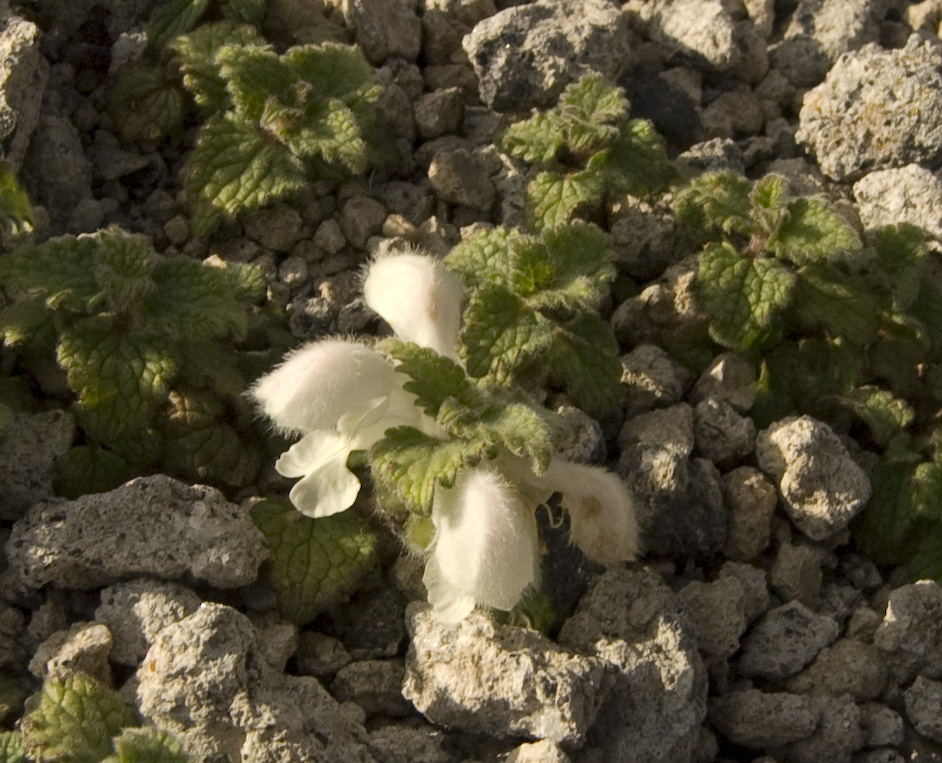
<point>926,562</point>
<point>553,198</point>
<point>147,745</point>
<point>901,256</point>
<point>813,233</point>
<point>16,213</point>
<point>637,164</point>
<point>335,71</point>
<point>171,18</point>
<point>74,721</point>
<point>232,168</point>
<point>882,411</point>
<point>483,258</point>
<point>590,109</point>
<point>537,139</point>
<point>11,747</point>
<point>768,197</point>
<point>24,320</point>
<point>586,365</point>
<point>245,11</point>
<point>195,54</point>
<point>92,469</point>
<point>124,264</point>
<point>433,377</point>
<point>315,563</point>
<point>716,201</point>
<point>846,306</point>
<point>745,298</point>
<point>60,271</point>
<point>254,75</point>
<point>144,106</point>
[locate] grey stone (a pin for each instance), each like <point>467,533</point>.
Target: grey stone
<point>585,441</point>
<point>722,434</point>
<point>631,620</point>
<point>710,33</point>
<point>84,648</point>
<point>87,217</point>
<point>277,640</point>
<point>733,114</point>
<point>149,526</point>
<point>653,379</point>
<point>29,447</point>
<point>12,630</point>
<point>730,378</point>
<point>439,112</point>
<point>750,499</point>
<point>56,169</point>
<point>111,162</point>
<point>800,60</point>
<point>524,56</point>
<point>754,586</point>
<point>910,635</point>
<point>680,504</point>
<point>837,737</point>
<point>545,751</point>
<point>375,685</point>
<point>329,236</point>
<point>718,613</point>
<point>23,76</point>
<point>924,707</point>
<point>360,218</point>
<point>796,574</point>
<point>714,155</point>
<point>205,681</point>
<point>136,611</point>
<point>785,640</point>
<point>504,681</point>
<point>759,720</point>
<point>910,194</point>
<point>293,272</point>
<point>821,486</point>
<point>880,724</point>
<point>876,109</point>
<point>277,228</point>
<point>459,176</point>
<point>846,667</point>
<point>879,756</point>
<point>446,22</point>
<point>406,744</point>
<point>383,28</point>
<point>837,26</point>
<point>644,236</point>
<point>320,655</point>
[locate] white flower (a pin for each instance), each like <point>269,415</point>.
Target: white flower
<point>342,397</point>
<point>485,546</point>
<point>418,297</point>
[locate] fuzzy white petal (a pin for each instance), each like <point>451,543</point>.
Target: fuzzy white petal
<point>602,515</point>
<point>327,486</point>
<point>418,297</point>
<point>320,382</point>
<point>485,547</point>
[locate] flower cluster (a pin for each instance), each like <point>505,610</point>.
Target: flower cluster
<point>343,396</point>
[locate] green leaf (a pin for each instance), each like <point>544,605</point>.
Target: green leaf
<point>768,198</point>
<point>74,721</point>
<point>23,320</point>
<point>11,747</point>
<point>926,563</point>
<point>570,267</point>
<point>813,232</point>
<point>412,464</point>
<point>253,75</point>
<point>246,11</point>
<point>16,213</point>
<point>554,198</point>
<point>335,137</point>
<point>590,109</point>
<point>904,346</point>
<point>173,17</point>
<point>193,302</point>
<point>337,71</point>
<point>745,298</point>
<point>61,271</point>
<point>846,306</point>
<point>147,745</point>
<point>124,264</point>
<point>232,169</point>
<point>88,469</point>
<point>195,55</point>
<point>433,377</point>
<point>315,563</point>
<point>120,378</point>
<point>586,365</point>
<point>12,695</point>
<point>901,256</point>
<point>538,139</point>
<point>483,258</point>
<point>144,106</point>
<point>638,164</point>
<point>716,201</point>
<point>882,411</point>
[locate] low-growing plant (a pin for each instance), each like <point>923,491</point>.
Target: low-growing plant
<point>589,152</point>
<point>146,344</point>
<point>843,328</point>
<point>458,463</point>
<point>79,720</point>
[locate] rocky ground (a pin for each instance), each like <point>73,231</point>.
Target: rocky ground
<point>750,631</point>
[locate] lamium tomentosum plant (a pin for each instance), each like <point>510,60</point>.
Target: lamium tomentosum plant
<point>459,464</point>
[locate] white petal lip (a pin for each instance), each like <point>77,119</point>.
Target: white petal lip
<point>320,459</point>
<point>485,547</point>
<point>320,382</point>
<point>418,297</point>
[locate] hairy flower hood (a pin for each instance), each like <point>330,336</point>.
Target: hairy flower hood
<point>418,297</point>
